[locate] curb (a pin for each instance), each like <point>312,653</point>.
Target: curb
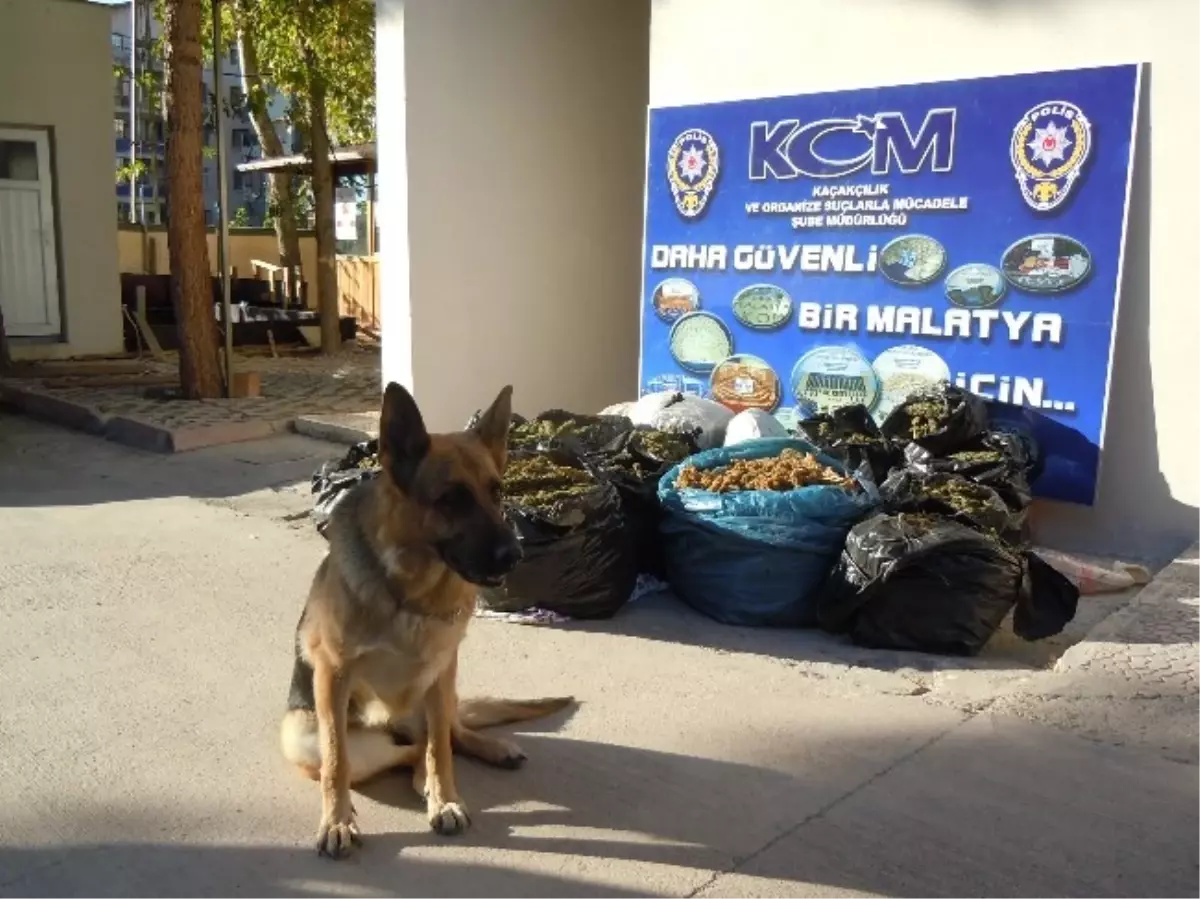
<point>134,432</point>
<point>47,407</point>
<point>1159,602</point>
<point>332,430</point>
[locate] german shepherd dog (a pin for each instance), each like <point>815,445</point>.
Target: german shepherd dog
<point>373,686</point>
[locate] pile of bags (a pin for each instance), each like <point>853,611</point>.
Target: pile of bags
<point>946,557</point>
<point>912,534</point>
<point>580,492</point>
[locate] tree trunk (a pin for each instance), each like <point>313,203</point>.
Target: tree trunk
<point>281,198</point>
<point>191,284</point>
<point>327,291</point>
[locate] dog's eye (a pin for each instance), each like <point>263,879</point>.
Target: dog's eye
<point>456,500</point>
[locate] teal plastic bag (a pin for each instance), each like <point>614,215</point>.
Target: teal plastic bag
<point>756,557</point>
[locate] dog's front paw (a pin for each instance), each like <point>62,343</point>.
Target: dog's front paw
<point>449,818</point>
<point>337,836</point>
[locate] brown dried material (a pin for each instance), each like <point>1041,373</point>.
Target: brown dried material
<point>790,470</point>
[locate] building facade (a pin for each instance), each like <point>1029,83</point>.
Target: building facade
<point>544,83</point>
<point>134,25</point>
<point>59,287</point>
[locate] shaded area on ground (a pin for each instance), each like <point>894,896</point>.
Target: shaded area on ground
<point>146,654</point>
<point>988,807</point>
<point>43,465</point>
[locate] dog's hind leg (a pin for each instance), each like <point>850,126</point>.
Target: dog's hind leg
<point>370,752</point>
<point>487,712</point>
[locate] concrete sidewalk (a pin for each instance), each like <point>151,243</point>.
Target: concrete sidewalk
<point>145,655</point>
<point>1133,681</point>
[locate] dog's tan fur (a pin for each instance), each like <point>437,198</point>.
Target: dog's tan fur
<point>380,633</point>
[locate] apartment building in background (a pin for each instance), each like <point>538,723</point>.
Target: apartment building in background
<point>146,130</point>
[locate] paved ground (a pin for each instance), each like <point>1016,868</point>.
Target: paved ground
<point>118,407</point>
<point>148,606</point>
<point>1134,681</point>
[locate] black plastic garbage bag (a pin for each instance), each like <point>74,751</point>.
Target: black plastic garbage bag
<point>514,420</point>
<point>997,459</point>
<point>579,555</point>
<point>333,480</point>
<point>1048,603</point>
<point>968,502</point>
<point>1019,423</point>
<point>582,434</point>
<point>1023,437</point>
<point>943,419</point>
<point>634,463</point>
<point>850,435</point>
<point>992,457</point>
<point>921,582</point>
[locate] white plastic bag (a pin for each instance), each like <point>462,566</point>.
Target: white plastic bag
<point>622,409</point>
<point>703,419</point>
<point>751,425</point>
<point>1091,577</point>
<point>645,410</point>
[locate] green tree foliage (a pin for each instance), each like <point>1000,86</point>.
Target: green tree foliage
<point>304,42</point>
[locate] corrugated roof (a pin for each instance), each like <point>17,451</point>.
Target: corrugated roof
<point>357,159</point>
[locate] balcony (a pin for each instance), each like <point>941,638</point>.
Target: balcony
<point>144,191</point>
<point>122,47</point>
<point>146,148</point>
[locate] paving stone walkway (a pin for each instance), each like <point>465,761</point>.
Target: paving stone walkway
<point>291,387</point>
<point>1136,679</point>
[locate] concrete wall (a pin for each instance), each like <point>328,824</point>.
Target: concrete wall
<point>704,50</point>
<point>512,143</point>
<point>56,72</point>
<point>151,254</point>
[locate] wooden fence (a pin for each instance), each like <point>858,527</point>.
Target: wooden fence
<point>144,251</point>
<point>358,289</point>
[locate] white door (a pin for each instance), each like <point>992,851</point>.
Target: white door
<point>28,263</point>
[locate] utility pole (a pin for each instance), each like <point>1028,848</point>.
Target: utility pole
<point>222,195</point>
<point>147,74</point>
<point>133,48</point>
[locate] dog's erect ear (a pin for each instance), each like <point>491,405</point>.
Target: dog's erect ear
<point>403,440</point>
<point>492,427</point>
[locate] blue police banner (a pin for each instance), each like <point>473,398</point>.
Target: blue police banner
<point>809,252</point>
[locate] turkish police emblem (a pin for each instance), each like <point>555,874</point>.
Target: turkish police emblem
<point>693,163</point>
<point>1049,147</point>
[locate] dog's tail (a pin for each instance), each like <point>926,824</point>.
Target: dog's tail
<point>489,712</point>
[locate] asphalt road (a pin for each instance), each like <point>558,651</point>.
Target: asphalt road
<point>148,604</point>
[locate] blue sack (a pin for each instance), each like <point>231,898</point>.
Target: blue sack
<point>756,557</point>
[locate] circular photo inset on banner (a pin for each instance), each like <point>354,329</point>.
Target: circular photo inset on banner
<point>830,377</point>
<point>699,340</point>
<point>912,260</point>
<point>745,382</point>
<point>762,307</point>
<point>903,371</point>
<point>976,285</point>
<point>675,298</point>
<point>1046,263</point>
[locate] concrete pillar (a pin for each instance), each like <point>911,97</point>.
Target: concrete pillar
<point>512,154</point>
